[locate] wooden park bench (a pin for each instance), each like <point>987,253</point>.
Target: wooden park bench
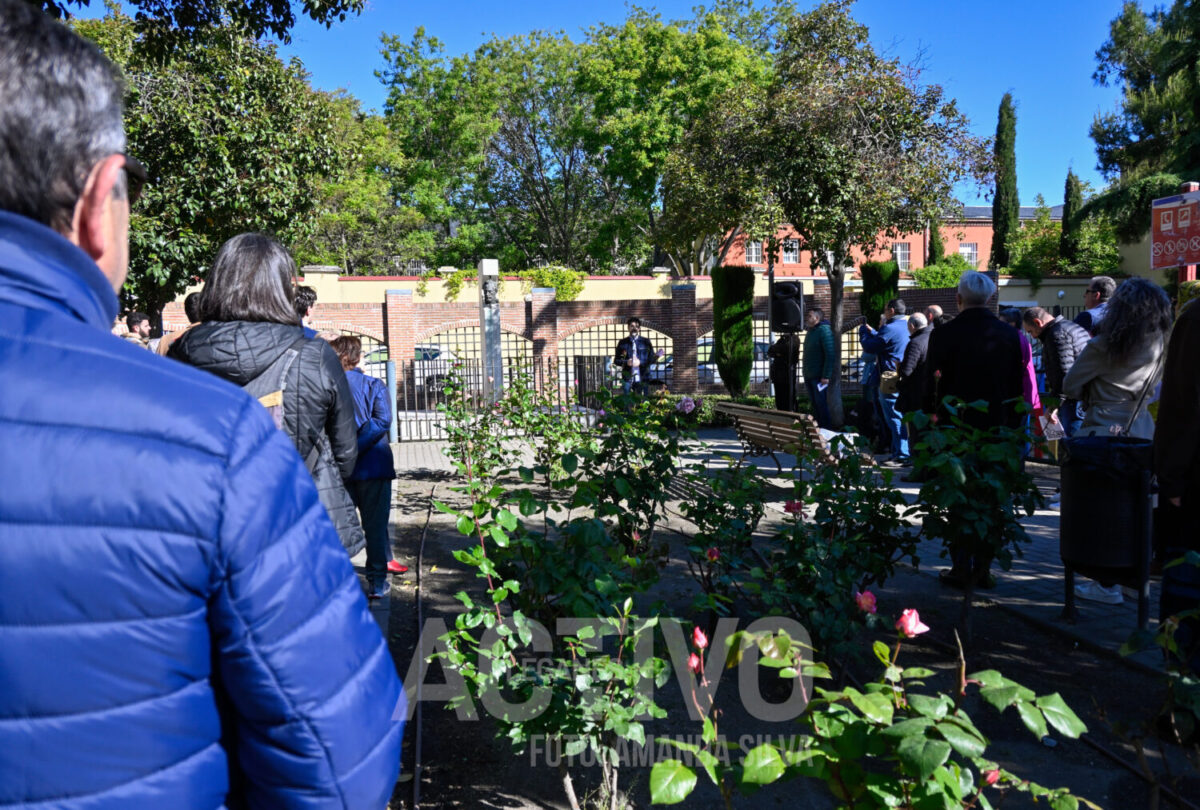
<point>763,432</point>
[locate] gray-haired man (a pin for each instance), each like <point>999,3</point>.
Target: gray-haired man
<point>157,645</point>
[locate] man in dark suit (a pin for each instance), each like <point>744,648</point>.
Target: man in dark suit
<point>975,357</point>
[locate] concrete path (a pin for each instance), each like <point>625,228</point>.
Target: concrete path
<point>1033,588</point>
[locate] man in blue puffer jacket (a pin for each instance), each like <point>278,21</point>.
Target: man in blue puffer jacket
<point>179,625</point>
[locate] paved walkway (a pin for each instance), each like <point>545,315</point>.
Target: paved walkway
<point>1033,588</point>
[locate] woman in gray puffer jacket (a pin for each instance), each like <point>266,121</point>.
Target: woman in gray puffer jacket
<point>249,334</point>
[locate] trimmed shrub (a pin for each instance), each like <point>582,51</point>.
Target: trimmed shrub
<point>881,283</point>
<point>942,275</point>
<point>733,326</point>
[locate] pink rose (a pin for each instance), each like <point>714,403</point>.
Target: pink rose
<point>909,624</point>
<point>865,601</point>
<point>991,777</point>
<point>793,507</point>
<point>686,405</point>
<point>713,554</point>
<point>699,639</point>
<point>694,664</point>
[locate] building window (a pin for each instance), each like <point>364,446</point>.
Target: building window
<point>753,252</point>
<point>791,251</point>
<point>900,254</point>
<point>970,252</point>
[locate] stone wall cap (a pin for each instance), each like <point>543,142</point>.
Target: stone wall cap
<point>320,268</point>
<point>544,290</point>
<point>399,292</point>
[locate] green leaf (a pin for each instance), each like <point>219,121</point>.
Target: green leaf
<point>498,536</point>
<point>966,741</point>
<point>923,755</point>
<point>1033,719</point>
<point>570,463</point>
<point>1064,802</point>
<point>917,672</point>
<point>882,653</point>
<point>670,782</point>
<point>762,766</point>
<point>874,707</point>
<point>506,519</point>
<point>1000,697</point>
<point>1060,716</point>
<point>926,706</point>
<point>465,525</point>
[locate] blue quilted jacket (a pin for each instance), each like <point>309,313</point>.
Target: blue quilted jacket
<point>179,625</point>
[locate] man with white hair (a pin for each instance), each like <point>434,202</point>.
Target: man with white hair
<point>975,357</point>
<point>179,624</point>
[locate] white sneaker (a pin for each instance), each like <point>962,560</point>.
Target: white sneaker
<point>1095,592</point>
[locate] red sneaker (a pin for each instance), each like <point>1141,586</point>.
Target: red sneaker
<point>396,568</point>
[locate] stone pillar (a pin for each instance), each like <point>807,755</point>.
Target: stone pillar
<point>684,334</point>
<point>543,330</point>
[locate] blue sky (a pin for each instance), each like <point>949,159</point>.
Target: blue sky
<point>1042,51</point>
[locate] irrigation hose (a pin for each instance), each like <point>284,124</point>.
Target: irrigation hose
<point>416,795</point>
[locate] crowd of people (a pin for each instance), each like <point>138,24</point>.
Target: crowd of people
<point>1100,375</point>
<point>180,621</point>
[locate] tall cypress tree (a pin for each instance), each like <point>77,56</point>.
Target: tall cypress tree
<point>937,251</point>
<point>1068,243</point>
<point>1006,207</point>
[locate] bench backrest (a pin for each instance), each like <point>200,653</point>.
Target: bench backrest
<point>776,430</point>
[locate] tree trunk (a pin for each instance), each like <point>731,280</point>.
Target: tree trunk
<point>836,273</point>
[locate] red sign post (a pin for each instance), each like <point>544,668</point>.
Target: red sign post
<point>1175,232</point>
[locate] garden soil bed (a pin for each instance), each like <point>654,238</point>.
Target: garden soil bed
<point>463,764</point>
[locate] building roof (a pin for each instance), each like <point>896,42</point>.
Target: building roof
<point>1026,212</point>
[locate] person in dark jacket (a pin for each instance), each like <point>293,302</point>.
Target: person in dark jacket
<point>912,367</point>
<point>370,484</point>
<point>633,357</point>
<point>1177,465</point>
<point>1062,342</point>
<point>158,646</point>
<point>250,329</point>
<point>888,346</point>
<point>975,357</point>
<point>818,364</point>
<point>784,355</point>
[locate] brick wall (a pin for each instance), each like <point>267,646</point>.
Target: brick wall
<point>402,322</point>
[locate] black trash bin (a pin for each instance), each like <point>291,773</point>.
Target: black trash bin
<point>1106,515</point>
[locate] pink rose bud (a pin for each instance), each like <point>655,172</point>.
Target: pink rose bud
<point>793,507</point>
<point>865,601</point>
<point>909,624</point>
<point>991,777</point>
<point>713,554</point>
<point>699,639</point>
<point>694,664</point>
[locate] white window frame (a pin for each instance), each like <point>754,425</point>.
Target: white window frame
<point>902,253</point>
<point>754,251</point>
<point>971,255</point>
<point>791,251</point>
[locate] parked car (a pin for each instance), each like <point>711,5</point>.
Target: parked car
<point>431,365</point>
<point>374,363</point>
<point>706,368</point>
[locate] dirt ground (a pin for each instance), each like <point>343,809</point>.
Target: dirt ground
<point>463,764</point>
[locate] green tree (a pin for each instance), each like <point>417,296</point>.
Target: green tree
<point>943,275</point>
<point>358,224</point>
<point>858,150</point>
<point>235,140</point>
<point>171,22</point>
<point>1034,247</point>
<point>443,121</point>
<point>1068,246</point>
<point>937,249</point>
<point>1151,143</point>
<point>1006,205</point>
<point>648,82</point>
<point>880,284</point>
<point>733,326</point>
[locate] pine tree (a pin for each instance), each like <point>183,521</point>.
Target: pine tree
<point>937,250</point>
<point>1006,207</point>
<point>1068,243</point>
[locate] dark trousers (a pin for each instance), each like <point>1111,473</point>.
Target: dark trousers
<point>373,498</point>
<point>820,404</point>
